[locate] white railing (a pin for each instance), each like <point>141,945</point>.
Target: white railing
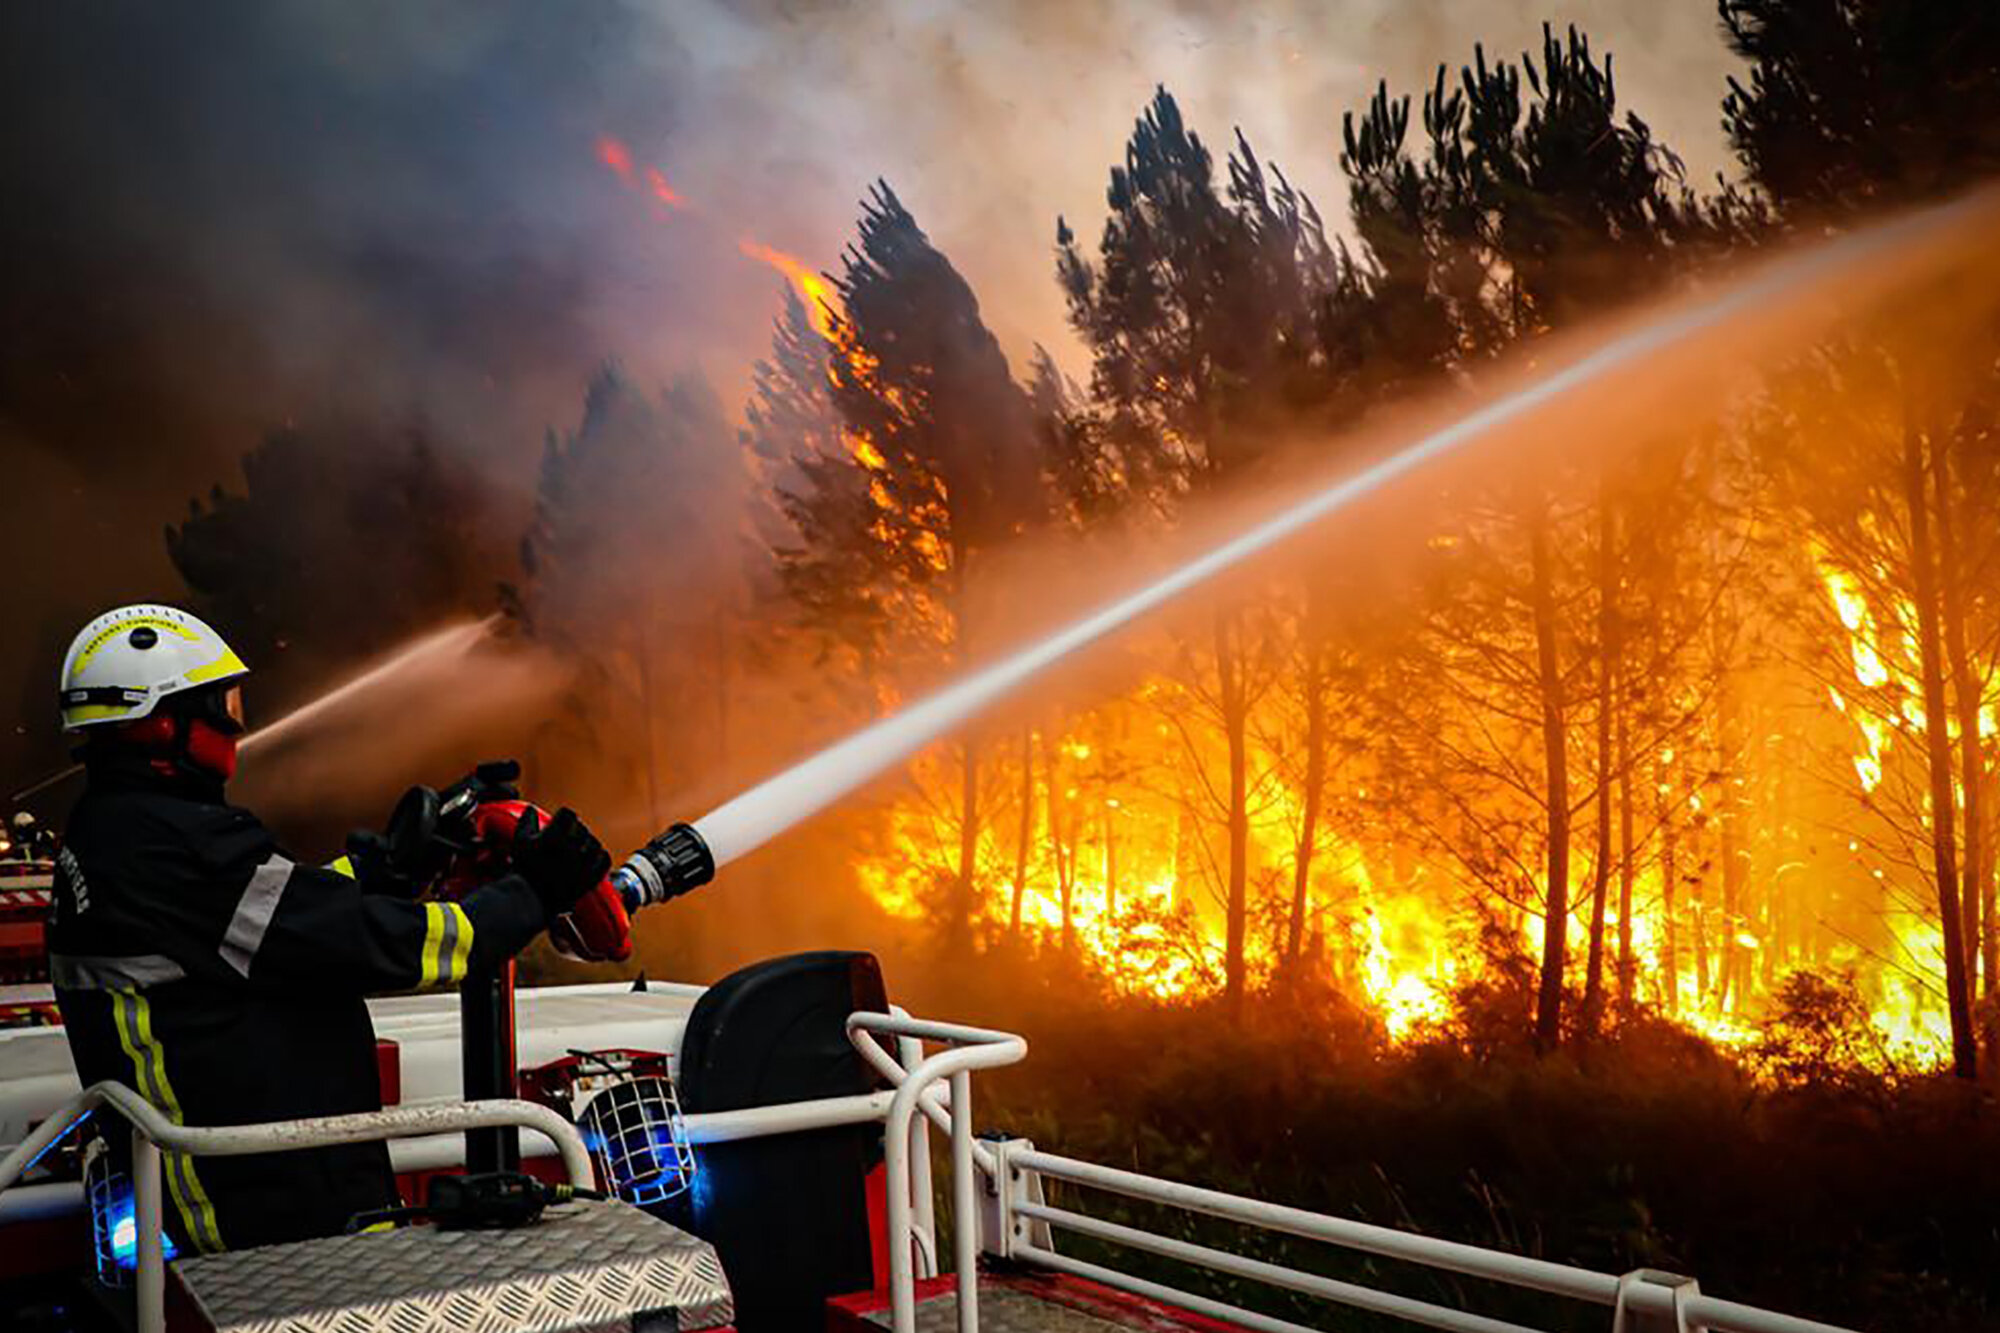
<point>968,1049</point>
<point>1660,1299</point>
<point>1006,1177</point>
<point>153,1132</point>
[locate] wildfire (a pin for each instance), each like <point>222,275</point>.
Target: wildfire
<point>617,155</point>
<point>813,289</point>
<point>1130,883</point>
<point>1906,1005</point>
<point>614,154</point>
<point>656,181</point>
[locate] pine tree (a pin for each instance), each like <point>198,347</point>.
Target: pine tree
<point>1199,313</point>
<point>345,541</point>
<point>634,567</point>
<point>1849,107</point>
<point>936,471</point>
<point>1526,211</point>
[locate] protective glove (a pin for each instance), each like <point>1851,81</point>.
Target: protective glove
<point>494,780</point>
<point>562,861</point>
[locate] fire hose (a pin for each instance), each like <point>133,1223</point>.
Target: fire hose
<point>447,843</point>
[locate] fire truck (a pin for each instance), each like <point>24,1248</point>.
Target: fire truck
<point>785,1149</point>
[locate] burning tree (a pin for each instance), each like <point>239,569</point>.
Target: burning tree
<point>1198,313</point>
<point>936,471</point>
<point>1522,215</point>
<point>1897,492</point>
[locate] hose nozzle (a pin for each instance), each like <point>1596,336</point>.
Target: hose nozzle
<point>668,866</point>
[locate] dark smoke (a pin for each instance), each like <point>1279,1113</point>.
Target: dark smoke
<point>227,217</point>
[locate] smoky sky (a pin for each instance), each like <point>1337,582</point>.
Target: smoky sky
<point>217,218</point>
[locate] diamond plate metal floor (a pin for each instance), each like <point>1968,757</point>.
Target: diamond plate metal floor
<point>585,1266</point>
<point>1003,1310</point>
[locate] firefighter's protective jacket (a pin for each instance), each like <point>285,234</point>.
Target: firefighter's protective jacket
<point>194,961</point>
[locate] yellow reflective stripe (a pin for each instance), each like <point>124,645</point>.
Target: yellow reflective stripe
<point>447,945</point>
<point>229,664</point>
<point>374,1227</point>
<point>112,631</point>
<point>461,948</point>
<point>342,865</point>
<point>134,1019</point>
<point>95,712</point>
<point>433,945</point>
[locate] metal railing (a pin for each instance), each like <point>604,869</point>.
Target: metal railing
<point>1017,1223</point>
<point>152,1133</point>
<point>1658,1300</point>
<point>968,1048</point>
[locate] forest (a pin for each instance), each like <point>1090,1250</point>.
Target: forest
<point>1608,874</point>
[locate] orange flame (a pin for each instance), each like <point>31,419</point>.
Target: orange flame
<point>656,181</point>
<point>812,288</point>
<point>614,154</point>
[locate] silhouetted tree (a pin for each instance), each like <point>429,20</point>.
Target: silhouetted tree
<point>344,541</point>
<point>937,469</point>
<point>633,563</point>
<point>1528,208</point>
<point>1199,312</point>
<point>1849,103</point>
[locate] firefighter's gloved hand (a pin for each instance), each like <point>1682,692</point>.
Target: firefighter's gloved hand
<point>561,861</point>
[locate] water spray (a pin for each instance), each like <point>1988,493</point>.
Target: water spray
<point>447,644</point>
<point>687,855</point>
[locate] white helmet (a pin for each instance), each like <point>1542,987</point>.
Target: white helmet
<point>123,663</point>
<point>23,821</point>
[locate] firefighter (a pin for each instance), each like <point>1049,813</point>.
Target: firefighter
<point>27,839</point>
<point>198,963</point>
<point>17,842</point>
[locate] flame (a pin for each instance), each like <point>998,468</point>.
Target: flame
<point>614,154</point>
<point>617,155</point>
<point>1907,1009</point>
<point>813,289</point>
<point>656,181</point>
<point>1144,902</point>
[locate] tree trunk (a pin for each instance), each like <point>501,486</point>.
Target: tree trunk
<point>1027,828</point>
<point>1964,1060</point>
<point>1600,892</point>
<point>1555,762</point>
<point>1698,921</point>
<point>1989,934</point>
<point>968,843</point>
<point>1063,855</point>
<point>1235,722</point>
<point>1670,963</point>
<point>1966,689</point>
<point>1728,987</point>
<point>1315,692</point>
<point>1626,999</point>
<point>1110,860</point>
<point>1732,973</point>
<point>1607,703</point>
